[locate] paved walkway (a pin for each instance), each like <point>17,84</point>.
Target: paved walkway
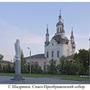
<point>30,80</point>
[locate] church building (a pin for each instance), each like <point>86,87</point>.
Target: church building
<point>58,46</point>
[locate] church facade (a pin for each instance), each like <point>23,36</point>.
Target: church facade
<point>59,45</point>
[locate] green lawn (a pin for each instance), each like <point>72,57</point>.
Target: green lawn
<point>6,74</point>
<point>65,77</point>
<point>74,77</point>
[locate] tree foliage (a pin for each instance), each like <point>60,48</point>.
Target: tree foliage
<point>52,67</point>
<point>1,56</point>
<point>83,58</point>
<point>77,65</point>
<point>68,67</point>
<point>24,65</point>
<point>35,68</point>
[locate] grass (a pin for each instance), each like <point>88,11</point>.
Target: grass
<point>64,77</point>
<point>74,77</point>
<point>37,75</point>
<point>6,74</point>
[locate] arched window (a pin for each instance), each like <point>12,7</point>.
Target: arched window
<point>52,53</point>
<point>58,54</point>
<point>52,44</point>
<point>57,30</point>
<point>47,54</point>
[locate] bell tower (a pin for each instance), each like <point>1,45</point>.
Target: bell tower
<point>60,26</point>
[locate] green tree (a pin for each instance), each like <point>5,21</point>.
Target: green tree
<point>83,58</point>
<point>5,68</point>
<point>59,67</point>
<point>62,62</point>
<point>8,68</point>
<point>24,66</point>
<point>0,68</point>
<point>35,68</point>
<point>45,68</point>
<point>52,67</point>
<point>1,56</point>
<point>69,66</point>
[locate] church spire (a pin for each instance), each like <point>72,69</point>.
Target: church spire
<point>72,41</point>
<point>47,36</point>
<point>60,15</point>
<point>60,25</point>
<point>47,30</point>
<point>72,36</point>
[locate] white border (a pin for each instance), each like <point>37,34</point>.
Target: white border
<point>6,86</point>
<point>32,86</point>
<point>44,0</point>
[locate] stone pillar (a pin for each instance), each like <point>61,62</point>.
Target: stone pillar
<point>18,75</point>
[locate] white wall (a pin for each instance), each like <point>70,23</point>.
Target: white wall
<point>40,61</point>
<point>64,50</point>
<point>55,47</point>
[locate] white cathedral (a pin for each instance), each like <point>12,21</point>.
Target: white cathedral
<point>58,46</point>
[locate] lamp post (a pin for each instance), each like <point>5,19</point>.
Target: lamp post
<point>89,58</point>
<point>30,59</point>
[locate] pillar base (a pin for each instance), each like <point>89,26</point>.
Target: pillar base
<point>18,77</point>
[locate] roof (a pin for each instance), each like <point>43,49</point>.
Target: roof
<point>60,40</point>
<point>59,23</point>
<point>37,56</point>
<point>2,61</point>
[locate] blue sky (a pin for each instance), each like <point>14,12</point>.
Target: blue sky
<point>27,21</point>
